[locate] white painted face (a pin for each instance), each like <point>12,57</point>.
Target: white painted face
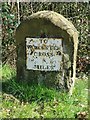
<point>43,54</point>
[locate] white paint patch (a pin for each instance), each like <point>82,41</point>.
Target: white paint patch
<point>43,54</point>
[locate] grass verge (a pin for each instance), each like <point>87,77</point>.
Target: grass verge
<point>24,101</point>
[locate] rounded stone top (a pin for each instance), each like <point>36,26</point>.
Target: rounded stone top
<point>58,22</point>
<point>57,19</point>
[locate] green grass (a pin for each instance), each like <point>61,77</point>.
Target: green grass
<point>24,101</point>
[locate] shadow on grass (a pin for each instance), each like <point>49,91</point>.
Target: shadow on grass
<point>41,96</point>
<point>28,93</point>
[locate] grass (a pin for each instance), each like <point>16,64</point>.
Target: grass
<point>24,101</point>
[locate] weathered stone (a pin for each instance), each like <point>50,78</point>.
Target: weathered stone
<point>52,25</point>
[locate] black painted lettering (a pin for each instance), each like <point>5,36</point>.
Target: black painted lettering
<point>37,66</point>
<point>51,47</point>
<point>36,47</point>
<point>41,40</point>
<point>39,54</point>
<point>31,40</point>
<point>45,41</point>
<point>29,46</point>
<point>43,54</point>
<point>58,53</point>
<point>47,67</point>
